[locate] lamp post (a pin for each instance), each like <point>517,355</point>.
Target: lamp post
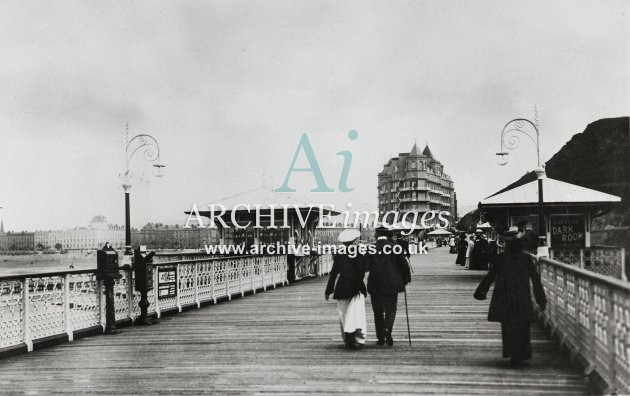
<point>510,140</point>
<point>151,153</point>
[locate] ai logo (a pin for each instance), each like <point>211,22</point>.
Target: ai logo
<point>305,146</point>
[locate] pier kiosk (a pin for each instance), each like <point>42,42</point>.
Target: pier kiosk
<point>569,211</point>
<point>283,219</point>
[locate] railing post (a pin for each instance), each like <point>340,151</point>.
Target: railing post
<point>228,270</point>
<point>581,258</point>
<point>262,272</point>
<point>27,311</point>
<point>271,270</point>
<point>99,294</point>
<point>130,294</point>
<point>610,330</point>
<point>240,276</point>
<point>197,285</point>
<point>214,296</point>
<point>592,321</point>
<point>624,275</point>
<point>251,274</point>
<point>66,307</point>
<point>179,304</point>
<point>156,295</point>
<point>563,308</point>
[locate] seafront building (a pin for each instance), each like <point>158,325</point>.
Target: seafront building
<point>19,241</point>
<point>174,237</point>
<point>415,182</point>
<point>99,231</point>
<point>91,237</point>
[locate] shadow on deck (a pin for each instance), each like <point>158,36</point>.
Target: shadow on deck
<point>287,341</point>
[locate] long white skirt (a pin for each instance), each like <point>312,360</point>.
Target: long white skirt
<point>352,317</point>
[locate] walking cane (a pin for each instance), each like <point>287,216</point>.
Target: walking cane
<point>406,308</point>
<point>407,315</point>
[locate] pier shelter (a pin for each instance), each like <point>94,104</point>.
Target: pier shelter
<point>282,218</point>
<point>569,210</point>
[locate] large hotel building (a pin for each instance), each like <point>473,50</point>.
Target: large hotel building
<point>415,182</point>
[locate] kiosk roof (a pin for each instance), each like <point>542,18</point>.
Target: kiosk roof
<point>554,192</point>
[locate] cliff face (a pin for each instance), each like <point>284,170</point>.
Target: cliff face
<point>469,221</point>
<point>598,158</point>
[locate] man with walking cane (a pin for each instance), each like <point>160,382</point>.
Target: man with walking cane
<point>389,273</point>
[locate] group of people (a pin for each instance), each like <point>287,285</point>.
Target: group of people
<point>474,252</point>
<point>389,273</point>
<point>511,305</point>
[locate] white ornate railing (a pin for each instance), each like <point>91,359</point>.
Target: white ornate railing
<point>168,257</point>
<point>325,264</point>
<point>591,313</point>
<point>36,306</point>
<point>605,260</point>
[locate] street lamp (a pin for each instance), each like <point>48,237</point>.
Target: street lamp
<point>151,153</point>
<point>510,140</point>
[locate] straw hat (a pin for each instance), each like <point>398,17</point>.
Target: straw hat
<point>348,235</point>
<point>512,233</point>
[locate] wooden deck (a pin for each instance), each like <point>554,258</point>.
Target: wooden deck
<point>287,341</point>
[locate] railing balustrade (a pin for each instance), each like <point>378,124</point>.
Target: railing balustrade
<point>36,306</point>
<point>605,260</point>
<point>591,314</point>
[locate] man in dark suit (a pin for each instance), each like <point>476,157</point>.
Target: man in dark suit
<point>479,256</point>
<point>389,273</point>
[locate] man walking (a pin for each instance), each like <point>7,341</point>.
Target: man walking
<point>479,256</point>
<point>389,273</point>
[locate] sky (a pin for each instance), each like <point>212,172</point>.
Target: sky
<point>227,88</point>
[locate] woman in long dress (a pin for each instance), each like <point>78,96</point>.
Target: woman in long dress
<point>470,243</point>
<point>511,303</point>
<point>346,285</point>
<point>462,247</point>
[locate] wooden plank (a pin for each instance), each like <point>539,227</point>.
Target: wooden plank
<point>287,341</point>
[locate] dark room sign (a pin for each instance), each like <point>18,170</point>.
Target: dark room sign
<point>567,231</point>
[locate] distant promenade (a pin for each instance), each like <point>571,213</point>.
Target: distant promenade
<point>38,263</point>
<point>287,341</point>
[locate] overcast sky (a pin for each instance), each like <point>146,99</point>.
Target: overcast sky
<point>228,87</point>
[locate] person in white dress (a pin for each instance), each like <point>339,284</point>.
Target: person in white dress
<point>345,283</point>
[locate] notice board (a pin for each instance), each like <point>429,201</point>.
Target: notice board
<point>167,282</point>
<point>568,231</point>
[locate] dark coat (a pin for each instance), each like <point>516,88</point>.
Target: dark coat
<point>462,246</point>
<point>350,273</point>
<point>493,252</point>
<point>479,255</point>
<point>511,298</point>
<point>389,273</point>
